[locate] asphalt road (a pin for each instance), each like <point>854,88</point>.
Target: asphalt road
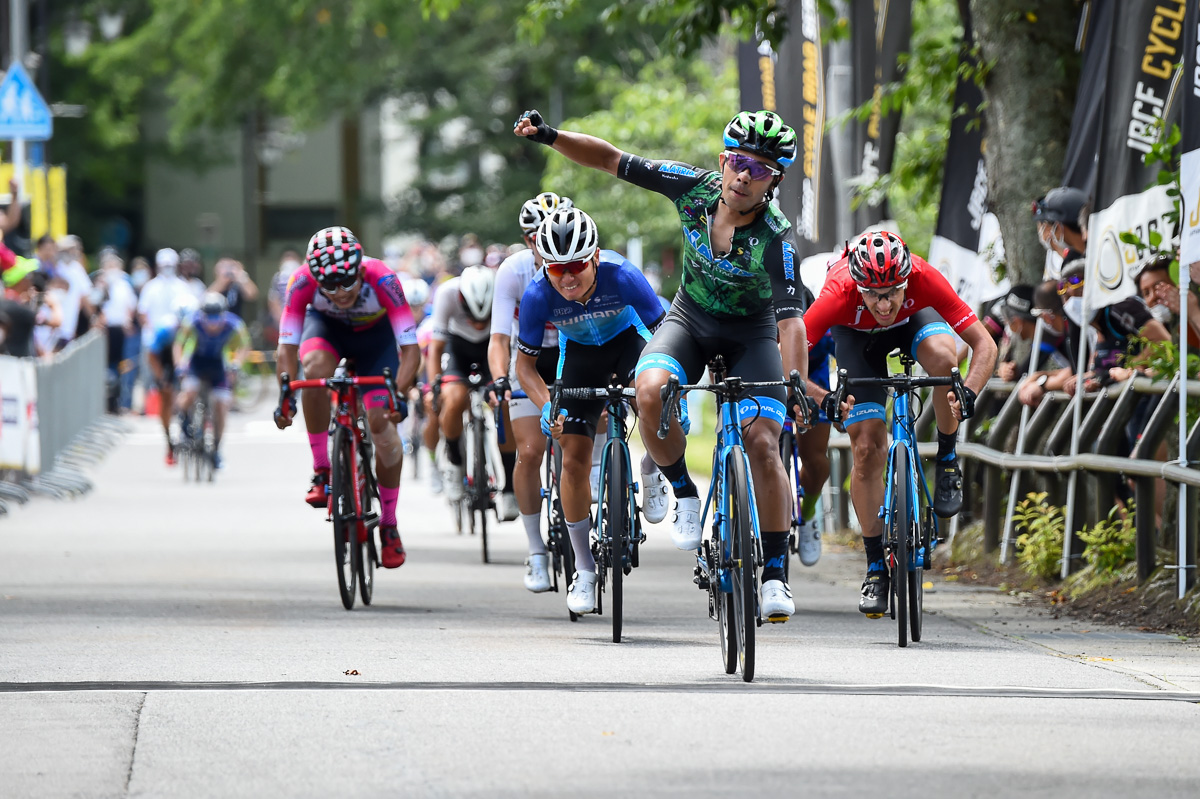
<point>163,639</point>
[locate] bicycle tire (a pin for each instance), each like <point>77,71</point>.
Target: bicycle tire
<point>916,579</point>
<point>208,443</point>
<point>743,565</point>
<point>369,505</point>
<point>615,528</point>
<point>898,532</point>
<point>723,605</point>
<point>481,490</point>
<point>786,444</point>
<point>345,533</point>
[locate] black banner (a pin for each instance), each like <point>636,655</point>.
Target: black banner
<point>1095,42</point>
<point>756,76</point>
<point>964,182</point>
<point>1189,168</point>
<point>807,194</point>
<point>893,30</point>
<point>1147,43</point>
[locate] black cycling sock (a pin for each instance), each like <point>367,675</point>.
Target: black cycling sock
<point>453,452</point>
<point>775,550</point>
<point>946,443</point>
<point>677,475</point>
<point>876,560</point>
<point>509,460</point>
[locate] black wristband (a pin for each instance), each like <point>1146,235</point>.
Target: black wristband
<point>545,134</point>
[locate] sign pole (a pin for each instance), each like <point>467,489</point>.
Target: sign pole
<point>19,27</point>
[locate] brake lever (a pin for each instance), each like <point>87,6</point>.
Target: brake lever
<point>667,394</point>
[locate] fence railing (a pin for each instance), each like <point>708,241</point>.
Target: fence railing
<point>1043,456</point>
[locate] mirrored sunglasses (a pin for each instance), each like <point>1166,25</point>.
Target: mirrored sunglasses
<point>338,283</point>
<point>758,170</point>
<point>568,267</point>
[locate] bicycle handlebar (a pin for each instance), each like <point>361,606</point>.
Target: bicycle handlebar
<point>288,387</point>
<point>898,383</point>
<point>731,388</point>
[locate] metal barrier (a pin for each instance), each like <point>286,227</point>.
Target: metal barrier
<point>1047,433</point>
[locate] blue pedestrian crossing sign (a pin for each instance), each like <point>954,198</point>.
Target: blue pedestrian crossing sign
<point>23,112</point>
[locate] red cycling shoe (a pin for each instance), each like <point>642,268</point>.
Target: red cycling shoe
<point>318,494</point>
<point>392,551</point>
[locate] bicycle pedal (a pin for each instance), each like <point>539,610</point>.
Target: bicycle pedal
<point>874,615</point>
<point>778,619</point>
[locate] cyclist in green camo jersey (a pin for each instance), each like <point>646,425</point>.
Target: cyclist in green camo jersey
<point>740,298</point>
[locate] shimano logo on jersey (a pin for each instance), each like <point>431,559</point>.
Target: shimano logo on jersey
<point>693,237</point>
<point>604,314</point>
<point>677,169</point>
<point>789,265</point>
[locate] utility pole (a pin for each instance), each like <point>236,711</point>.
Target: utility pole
<point>18,44</point>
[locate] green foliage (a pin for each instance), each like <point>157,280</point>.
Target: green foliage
<point>1164,151</point>
<point>1109,544</point>
<point>1040,546</point>
<point>674,109</point>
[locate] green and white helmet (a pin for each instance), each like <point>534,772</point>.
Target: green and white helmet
<point>764,133</point>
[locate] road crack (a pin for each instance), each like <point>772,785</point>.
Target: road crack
<point>137,727</point>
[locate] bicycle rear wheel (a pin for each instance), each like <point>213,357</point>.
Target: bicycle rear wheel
<point>742,566</point>
<point>787,442</point>
<point>345,532</point>
<point>898,532</point>
<point>615,528</point>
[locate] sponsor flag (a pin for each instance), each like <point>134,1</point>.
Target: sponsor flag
<point>807,194</point>
<point>1095,42</point>
<point>1189,167</point>
<point>892,31</point>
<point>756,76</point>
<point>1140,93</point>
<point>963,217</point>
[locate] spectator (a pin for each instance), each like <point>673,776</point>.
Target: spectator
<point>19,308</point>
<point>191,269</point>
<point>235,286</point>
<point>289,262</point>
<point>12,213</point>
<point>1161,293</point>
<point>162,294</point>
<point>47,255</point>
<point>1058,214</point>
<point>1048,308</point>
<point>139,273</point>
<point>76,288</point>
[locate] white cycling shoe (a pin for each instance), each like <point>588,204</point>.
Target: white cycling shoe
<point>654,497</point>
<point>454,482</point>
<point>808,541</point>
<point>435,480</point>
<point>537,573</point>
<point>581,598</point>
<point>686,533</point>
<point>506,506</point>
<point>777,604</point>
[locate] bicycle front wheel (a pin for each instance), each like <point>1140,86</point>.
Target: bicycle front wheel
<point>368,503</point>
<point>898,531</point>
<point>345,528</point>
<point>615,528</point>
<point>742,566</point>
<point>481,493</point>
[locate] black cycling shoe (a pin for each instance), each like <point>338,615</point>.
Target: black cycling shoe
<point>874,599</point>
<point>948,495</point>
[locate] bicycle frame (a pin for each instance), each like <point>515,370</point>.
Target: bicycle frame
<point>728,436</point>
<point>902,435</point>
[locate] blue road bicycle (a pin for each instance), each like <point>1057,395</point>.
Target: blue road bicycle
<point>727,563</point>
<point>617,532</point>
<point>910,528</point>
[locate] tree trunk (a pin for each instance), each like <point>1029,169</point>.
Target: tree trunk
<point>1030,95</point>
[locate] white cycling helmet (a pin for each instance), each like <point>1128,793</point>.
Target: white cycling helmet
<point>567,235</point>
<point>534,211</point>
<point>475,288</point>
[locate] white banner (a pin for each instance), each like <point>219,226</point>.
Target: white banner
<point>1189,190</point>
<point>20,446</point>
<point>1110,260</point>
<point>972,274</point>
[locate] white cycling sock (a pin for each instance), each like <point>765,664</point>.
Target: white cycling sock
<point>533,531</point>
<point>581,534</point>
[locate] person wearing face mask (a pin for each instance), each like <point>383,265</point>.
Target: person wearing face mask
<point>1161,293</point>
<point>1057,215</point>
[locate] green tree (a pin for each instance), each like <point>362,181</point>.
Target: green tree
<point>675,109</point>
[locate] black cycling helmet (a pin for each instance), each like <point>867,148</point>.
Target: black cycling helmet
<point>1060,205</point>
<point>764,133</point>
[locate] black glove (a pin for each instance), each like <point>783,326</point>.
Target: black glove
<point>499,387</point>
<point>545,134</point>
<point>831,406</point>
<point>968,403</point>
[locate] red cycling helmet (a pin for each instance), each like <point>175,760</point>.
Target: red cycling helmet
<point>879,260</point>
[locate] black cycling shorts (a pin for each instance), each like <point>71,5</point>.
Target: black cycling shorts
<point>586,366</point>
<point>460,355</point>
<point>689,338</point>
<point>864,353</point>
